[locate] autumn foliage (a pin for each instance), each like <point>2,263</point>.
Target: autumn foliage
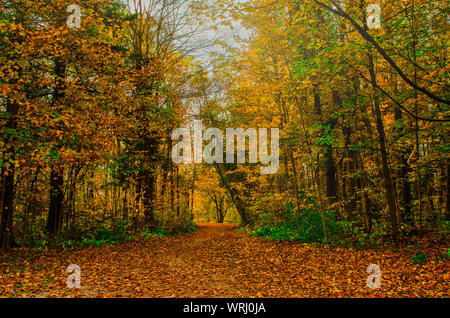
<point>86,122</point>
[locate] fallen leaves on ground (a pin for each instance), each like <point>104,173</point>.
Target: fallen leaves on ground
<point>216,261</point>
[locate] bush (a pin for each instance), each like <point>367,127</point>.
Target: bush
<point>420,258</point>
<point>190,225</point>
<point>102,236</point>
<point>156,232</point>
<point>174,222</point>
<point>305,227</point>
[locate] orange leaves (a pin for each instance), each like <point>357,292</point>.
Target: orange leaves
<point>219,262</point>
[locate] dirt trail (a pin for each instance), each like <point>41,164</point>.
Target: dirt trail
<point>216,261</point>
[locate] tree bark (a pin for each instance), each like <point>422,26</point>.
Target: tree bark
<point>7,180</point>
<point>55,211</point>
<point>330,168</point>
<point>388,184</point>
<point>54,220</point>
<point>238,203</point>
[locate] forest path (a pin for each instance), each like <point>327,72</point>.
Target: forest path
<point>217,261</point>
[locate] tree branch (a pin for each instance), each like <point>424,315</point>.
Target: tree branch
<point>383,53</point>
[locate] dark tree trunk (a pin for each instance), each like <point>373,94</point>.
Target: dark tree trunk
<point>406,197</point>
<point>7,181</point>
<point>447,200</point>
<point>148,200</point>
<point>331,186</point>
<point>7,208</point>
<point>349,169</point>
<point>220,208</point>
<point>235,198</point>
<point>330,168</point>
<point>388,184</point>
<point>406,191</point>
<point>149,181</point>
<point>55,211</point>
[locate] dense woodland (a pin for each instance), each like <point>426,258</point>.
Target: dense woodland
<point>87,114</point>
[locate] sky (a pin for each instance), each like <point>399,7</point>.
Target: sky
<point>205,34</point>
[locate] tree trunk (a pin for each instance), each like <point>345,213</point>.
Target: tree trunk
<point>390,194</point>
<point>330,168</point>
<point>149,181</point>
<point>7,180</point>
<point>238,203</point>
<point>447,200</point>
<point>406,198</point>
<point>7,208</point>
<point>54,220</point>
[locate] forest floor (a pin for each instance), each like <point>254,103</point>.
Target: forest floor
<point>217,261</point>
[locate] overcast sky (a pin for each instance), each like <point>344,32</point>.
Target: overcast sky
<point>205,34</point>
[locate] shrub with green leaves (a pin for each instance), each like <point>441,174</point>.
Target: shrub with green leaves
<point>420,258</point>
<point>102,236</point>
<point>305,226</point>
